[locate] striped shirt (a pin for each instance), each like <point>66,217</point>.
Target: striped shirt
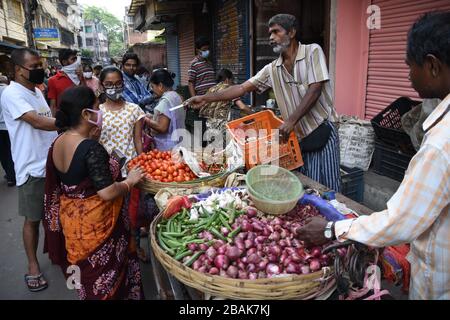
<point>201,75</point>
<point>418,212</point>
<point>309,67</point>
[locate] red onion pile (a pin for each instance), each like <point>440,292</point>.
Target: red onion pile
<point>265,247</point>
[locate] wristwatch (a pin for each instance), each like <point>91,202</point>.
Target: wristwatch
<point>329,231</point>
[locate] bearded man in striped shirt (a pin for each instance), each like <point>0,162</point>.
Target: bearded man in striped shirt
<point>300,81</point>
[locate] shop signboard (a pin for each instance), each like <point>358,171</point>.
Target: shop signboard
<point>46,34</point>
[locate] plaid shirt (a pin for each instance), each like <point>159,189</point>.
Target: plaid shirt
<point>134,90</point>
<point>418,213</point>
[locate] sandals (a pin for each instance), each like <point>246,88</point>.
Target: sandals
<point>36,283</point>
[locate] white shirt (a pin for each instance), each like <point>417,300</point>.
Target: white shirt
<point>29,146</point>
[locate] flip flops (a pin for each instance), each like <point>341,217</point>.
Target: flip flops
<point>36,283</point>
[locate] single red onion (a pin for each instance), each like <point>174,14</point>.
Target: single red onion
<point>218,244</point>
<point>305,269</point>
<point>222,249</point>
<point>202,269</point>
<point>221,261</point>
<point>214,271</point>
<point>248,244</point>
<point>292,268</point>
<point>254,258</point>
<point>233,252</point>
<point>224,231</point>
<point>193,247</point>
<point>276,221</point>
<point>203,246</point>
<point>314,265</point>
<point>275,250</point>
<point>251,267</point>
<point>246,226</point>
<point>242,235</point>
<point>252,276</point>
<point>272,269</point>
<point>232,272</point>
<point>242,274</point>
<point>275,236</point>
<point>197,264</point>
<point>211,253</point>
<point>316,252</point>
<point>251,212</point>
<point>260,239</point>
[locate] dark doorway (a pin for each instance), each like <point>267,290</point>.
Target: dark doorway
<point>313,19</point>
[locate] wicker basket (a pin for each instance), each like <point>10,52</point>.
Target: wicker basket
<point>281,288</point>
<point>152,186</point>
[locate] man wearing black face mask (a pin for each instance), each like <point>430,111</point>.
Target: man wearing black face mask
<point>31,130</point>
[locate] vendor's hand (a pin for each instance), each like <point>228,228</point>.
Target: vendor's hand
<point>135,175</point>
<point>195,102</point>
<point>95,133</point>
<point>312,233</point>
<point>285,130</point>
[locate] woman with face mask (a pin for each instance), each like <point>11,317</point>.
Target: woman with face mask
<point>90,79</point>
<point>85,215</point>
<point>122,125</point>
<point>122,131</point>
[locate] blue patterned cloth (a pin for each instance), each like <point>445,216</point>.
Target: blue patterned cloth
<point>134,91</point>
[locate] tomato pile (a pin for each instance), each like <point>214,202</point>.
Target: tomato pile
<point>158,166</point>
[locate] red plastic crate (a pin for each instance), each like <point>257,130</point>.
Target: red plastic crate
<point>257,144</point>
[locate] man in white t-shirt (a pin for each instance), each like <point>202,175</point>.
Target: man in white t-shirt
<point>31,130</point>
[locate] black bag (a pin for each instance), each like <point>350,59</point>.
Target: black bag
<point>317,139</point>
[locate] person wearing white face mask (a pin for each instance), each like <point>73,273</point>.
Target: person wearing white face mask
<point>90,79</point>
<point>201,78</point>
<point>71,74</point>
<point>201,72</point>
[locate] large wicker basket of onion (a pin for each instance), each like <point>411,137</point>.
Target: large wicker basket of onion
<point>226,248</point>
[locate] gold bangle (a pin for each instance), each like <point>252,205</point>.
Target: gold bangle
<point>128,186</point>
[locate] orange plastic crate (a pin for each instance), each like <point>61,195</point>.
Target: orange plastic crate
<point>254,134</point>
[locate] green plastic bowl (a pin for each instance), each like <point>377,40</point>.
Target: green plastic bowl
<point>273,190</point>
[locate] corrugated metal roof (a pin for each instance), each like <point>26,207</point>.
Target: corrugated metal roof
<point>134,6</point>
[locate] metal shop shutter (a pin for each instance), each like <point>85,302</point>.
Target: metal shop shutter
<point>186,44</point>
<point>231,38</point>
<point>387,77</point>
<point>173,60</point>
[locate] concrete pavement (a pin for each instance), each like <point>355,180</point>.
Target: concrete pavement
<point>13,262</point>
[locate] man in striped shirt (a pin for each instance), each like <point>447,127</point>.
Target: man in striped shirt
<point>201,71</point>
<point>299,78</point>
<point>419,212</point>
